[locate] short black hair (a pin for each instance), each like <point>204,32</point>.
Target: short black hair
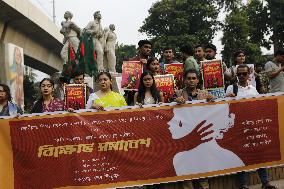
<point>279,52</point>
<point>259,64</point>
<point>168,48</point>
<point>199,45</point>
<point>239,52</point>
<point>211,46</point>
<point>191,71</point>
<point>150,60</point>
<point>243,66</point>
<point>77,73</point>
<point>187,50</point>
<point>143,42</point>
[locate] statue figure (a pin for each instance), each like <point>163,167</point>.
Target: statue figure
<point>103,40</point>
<point>110,48</point>
<point>71,33</point>
<point>94,28</point>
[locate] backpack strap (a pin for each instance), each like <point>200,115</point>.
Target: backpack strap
<point>235,89</point>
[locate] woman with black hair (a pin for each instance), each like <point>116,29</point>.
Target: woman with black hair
<point>105,97</point>
<point>47,102</point>
<point>230,74</point>
<point>153,66</point>
<point>7,107</point>
<point>147,91</point>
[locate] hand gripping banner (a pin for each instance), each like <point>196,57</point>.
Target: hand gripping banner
<point>139,146</point>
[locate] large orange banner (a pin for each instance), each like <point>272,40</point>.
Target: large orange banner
<point>128,147</point>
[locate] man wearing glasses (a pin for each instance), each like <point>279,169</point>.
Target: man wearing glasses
<point>242,88</point>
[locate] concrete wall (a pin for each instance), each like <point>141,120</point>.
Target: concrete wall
<point>24,25</point>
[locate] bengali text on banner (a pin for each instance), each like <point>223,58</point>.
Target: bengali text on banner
<point>140,146</point>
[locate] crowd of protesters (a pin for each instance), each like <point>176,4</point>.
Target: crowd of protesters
<point>269,78</point>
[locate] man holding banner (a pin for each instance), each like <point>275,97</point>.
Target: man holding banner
<point>243,89</point>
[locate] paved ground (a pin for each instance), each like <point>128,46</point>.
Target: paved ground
<point>278,183</point>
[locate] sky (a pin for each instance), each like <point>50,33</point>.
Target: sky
<point>126,15</point>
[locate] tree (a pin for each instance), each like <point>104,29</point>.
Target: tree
<point>123,52</point>
<point>180,22</point>
<point>236,32</point>
<point>276,22</point>
<point>266,21</point>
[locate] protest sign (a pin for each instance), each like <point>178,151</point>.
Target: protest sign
<point>131,72</point>
<point>75,96</point>
<point>177,70</point>
<point>165,83</point>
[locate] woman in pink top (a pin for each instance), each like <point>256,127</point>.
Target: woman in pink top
<point>47,102</point>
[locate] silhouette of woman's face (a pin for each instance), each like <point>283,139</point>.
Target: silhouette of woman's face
<point>187,118</point>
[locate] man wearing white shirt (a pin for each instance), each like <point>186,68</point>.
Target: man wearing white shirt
<point>242,88</point>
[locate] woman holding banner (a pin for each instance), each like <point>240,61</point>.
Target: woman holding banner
<point>47,102</point>
<point>105,97</point>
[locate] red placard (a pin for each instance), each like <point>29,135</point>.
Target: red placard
<point>75,96</point>
<point>131,72</point>
<point>177,70</point>
<point>165,83</point>
<point>212,74</point>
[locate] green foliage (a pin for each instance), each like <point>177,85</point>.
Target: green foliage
<point>276,22</point>
<point>123,52</point>
<point>177,23</point>
<point>258,23</point>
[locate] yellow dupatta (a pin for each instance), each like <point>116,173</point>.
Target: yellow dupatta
<point>112,99</point>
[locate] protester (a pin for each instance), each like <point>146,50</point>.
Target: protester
<point>105,97</point>
<point>191,91</point>
<point>187,56</point>
<point>275,72</point>
<point>79,78</point>
<point>147,92</point>
<point>210,54</point>
<point>244,89</point>
<point>47,102</point>
<point>153,66</point>
<point>167,57</point>
<point>199,53</point>
<point>210,51</point>
<point>230,74</point>
<point>261,79</point>
<point>7,107</point>
<point>144,51</point>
